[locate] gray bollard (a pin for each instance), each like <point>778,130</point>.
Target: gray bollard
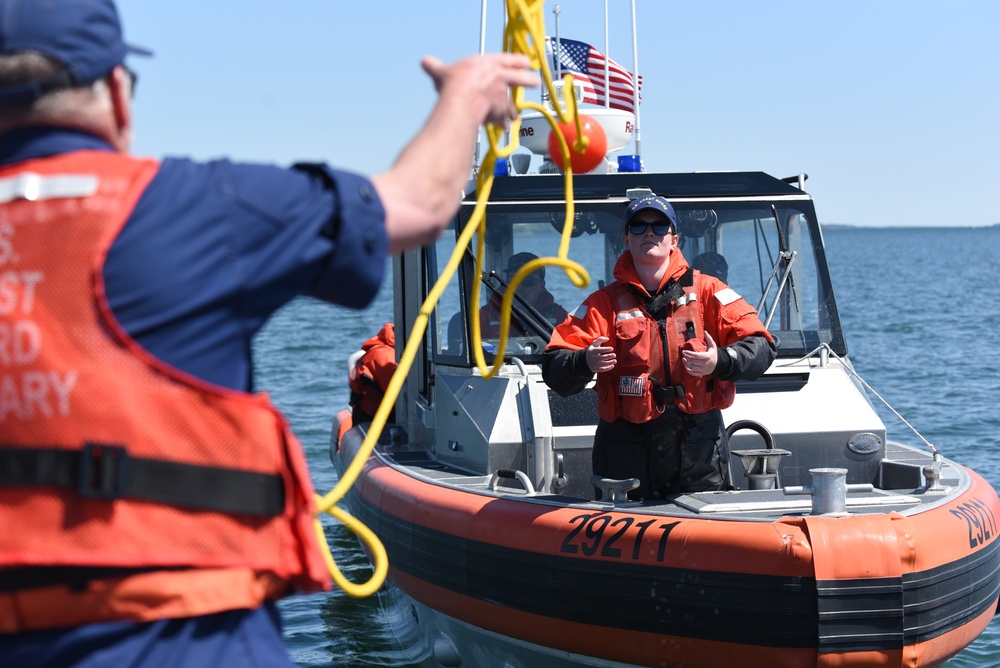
<point>829,491</point>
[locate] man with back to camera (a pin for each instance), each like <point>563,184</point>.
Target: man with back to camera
<point>154,507</point>
<point>666,342</point>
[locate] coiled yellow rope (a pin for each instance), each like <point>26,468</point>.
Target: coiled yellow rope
<point>524,33</point>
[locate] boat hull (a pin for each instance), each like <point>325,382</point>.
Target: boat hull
<point>638,586</point>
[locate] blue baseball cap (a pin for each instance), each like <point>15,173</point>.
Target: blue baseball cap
<point>83,35</point>
<point>654,202</point>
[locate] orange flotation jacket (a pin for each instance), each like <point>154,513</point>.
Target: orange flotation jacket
<point>648,372</point>
<point>109,457</point>
<point>371,374</point>
<point>638,388</point>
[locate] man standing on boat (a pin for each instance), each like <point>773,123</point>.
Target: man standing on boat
<point>153,507</point>
<point>666,343</point>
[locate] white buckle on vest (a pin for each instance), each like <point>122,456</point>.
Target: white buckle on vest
<point>35,187</point>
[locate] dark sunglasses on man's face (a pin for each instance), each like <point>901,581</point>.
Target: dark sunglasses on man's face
<point>133,80</point>
<point>640,228</point>
<point>530,280</point>
<point>533,279</point>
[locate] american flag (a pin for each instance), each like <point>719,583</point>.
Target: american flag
<point>587,65</point>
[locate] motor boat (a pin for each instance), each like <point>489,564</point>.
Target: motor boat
<point>841,544</point>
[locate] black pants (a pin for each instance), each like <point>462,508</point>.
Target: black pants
<point>671,454</point>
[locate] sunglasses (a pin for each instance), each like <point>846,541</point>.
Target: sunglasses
<point>533,279</point>
<point>640,228</point>
<point>133,80</point>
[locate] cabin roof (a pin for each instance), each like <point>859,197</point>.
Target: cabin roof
<point>688,184</point>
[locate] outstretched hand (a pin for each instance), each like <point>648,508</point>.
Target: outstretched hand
<point>701,363</point>
<point>600,357</point>
<point>483,83</point>
<point>422,190</point>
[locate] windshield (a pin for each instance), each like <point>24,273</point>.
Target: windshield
<point>766,250</point>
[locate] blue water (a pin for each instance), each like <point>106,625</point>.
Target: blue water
<point>922,314</point>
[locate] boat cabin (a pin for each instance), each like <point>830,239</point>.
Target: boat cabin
<point>759,233</point>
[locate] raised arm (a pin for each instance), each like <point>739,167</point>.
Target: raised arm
<point>422,190</point>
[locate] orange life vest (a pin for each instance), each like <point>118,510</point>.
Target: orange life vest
<point>637,388</point>
<point>371,374</point>
<point>111,458</point>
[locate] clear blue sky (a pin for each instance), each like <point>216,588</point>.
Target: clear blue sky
<point>892,107</point>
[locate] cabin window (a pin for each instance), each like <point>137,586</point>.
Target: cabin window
<point>770,251</point>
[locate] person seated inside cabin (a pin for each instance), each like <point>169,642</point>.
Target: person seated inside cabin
<point>713,264</point>
<point>532,290</point>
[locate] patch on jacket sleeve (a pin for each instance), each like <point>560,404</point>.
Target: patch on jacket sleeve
<point>727,296</point>
<point>580,312</point>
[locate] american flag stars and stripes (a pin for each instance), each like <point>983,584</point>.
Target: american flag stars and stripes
<point>587,65</point>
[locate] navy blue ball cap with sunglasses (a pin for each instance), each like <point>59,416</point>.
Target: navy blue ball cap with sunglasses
<point>83,35</point>
<point>654,202</point>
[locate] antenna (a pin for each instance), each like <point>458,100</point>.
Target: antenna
<point>558,45</point>
<point>635,82</point>
<point>482,50</point>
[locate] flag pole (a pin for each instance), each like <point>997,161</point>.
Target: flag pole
<point>482,28</point>
<point>635,82</point>
<point>482,50</point>
<point>607,63</point>
<point>558,53</point>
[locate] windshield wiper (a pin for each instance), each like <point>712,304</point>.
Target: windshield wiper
<point>527,315</point>
<point>786,259</point>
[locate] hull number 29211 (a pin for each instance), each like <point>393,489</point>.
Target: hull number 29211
<point>599,534</point>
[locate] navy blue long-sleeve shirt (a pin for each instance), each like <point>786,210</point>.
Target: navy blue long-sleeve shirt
<point>213,249</point>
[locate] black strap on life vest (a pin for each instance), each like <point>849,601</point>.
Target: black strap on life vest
<point>671,292</point>
<point>103,471</point>
<point>76,578</point>
<point>662,394</point>
<point>687,278</point>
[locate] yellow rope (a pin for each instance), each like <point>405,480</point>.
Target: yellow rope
<point>524,33</point>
